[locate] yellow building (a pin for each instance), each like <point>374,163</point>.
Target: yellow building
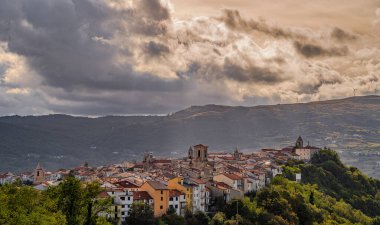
<point>160,194</point>
<point>177,183</point>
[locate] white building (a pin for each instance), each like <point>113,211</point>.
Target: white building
<point>177,202</point>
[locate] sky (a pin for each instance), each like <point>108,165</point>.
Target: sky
<point>118,57</point>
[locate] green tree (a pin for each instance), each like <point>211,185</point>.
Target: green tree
<point>70,200</point>
<point>140,213</point>
<point>218,219</point>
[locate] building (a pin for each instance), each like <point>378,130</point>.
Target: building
<point>160,194</point>
<point>232,180</point>
<point>237,155</point>
<point>197,155</point>
<point>178,184</point>
<point>177,202</point>
<point>39,175</point>
<point>198,194</point>
<point>304,152</point>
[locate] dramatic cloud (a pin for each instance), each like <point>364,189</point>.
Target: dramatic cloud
<point>312,50</point>
<point>342,35</point>
<point>96,57</point>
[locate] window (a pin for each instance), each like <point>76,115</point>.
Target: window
<point>162,192</point>
<point>176,206</point>
<point>170,199</point>
<point>129,198</point>
<point>162,198</point>
<point>122,198</point>
<point>122,206</point>
<point>161,207</point>
<point>199,153</point>
<point>122,213</point>
<point>176,198</point>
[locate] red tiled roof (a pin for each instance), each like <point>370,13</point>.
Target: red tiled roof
<point>198,181</point>
<point>224,185</point>
<point>162,161</point>
<point>232,176</point>
<point>126,184</point>
<point>103,194</point>
<point>141,195</point>
<point>175,193</point>
<point>157,185</point>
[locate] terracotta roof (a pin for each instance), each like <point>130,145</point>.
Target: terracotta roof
<point>162,161</point>
<point>232,176</point>
<point>175,193</point>
<point>138,165</point>
<point>198,181</point>
<point>103,194</point>
<point>126,184</point>
<point>141,195</point>
<point>227,158</point>
<point>223,185</point>
<point>157,185</point>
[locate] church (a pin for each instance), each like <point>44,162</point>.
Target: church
<point>197,155</point>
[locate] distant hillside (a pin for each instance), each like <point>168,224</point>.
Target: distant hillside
<point>351,125</point>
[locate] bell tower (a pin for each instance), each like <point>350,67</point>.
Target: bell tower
<point>299,142</point>
<point>39,174</point>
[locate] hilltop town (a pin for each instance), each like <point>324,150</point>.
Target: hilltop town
<point>193,183</point>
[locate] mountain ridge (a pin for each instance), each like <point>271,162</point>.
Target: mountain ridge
<point>348,125</point>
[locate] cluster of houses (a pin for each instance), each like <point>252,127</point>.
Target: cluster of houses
<point>195,182</point>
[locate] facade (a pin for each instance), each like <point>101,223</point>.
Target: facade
<point>178,184</point>
<point>230,179</point>
<point>39,175</point>
<point>307,152</point>
<point>177,202</point>
<point>160,195</point>
<point>197,155</point>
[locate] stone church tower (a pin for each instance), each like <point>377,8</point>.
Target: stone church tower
<point>299,142</point>
<point>39,174</point>
<point>197,155</point>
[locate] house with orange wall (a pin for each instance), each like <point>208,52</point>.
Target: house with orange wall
<point>160,194</point>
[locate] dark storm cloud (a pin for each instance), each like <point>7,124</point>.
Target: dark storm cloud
<point>235,71</point>
<point>155,49</point>
<point>154,9</point>
<point>251,73</point>
<point>342,35</point>
<point>57,37</point>
<point>312,50</point>
<point>233,19</point>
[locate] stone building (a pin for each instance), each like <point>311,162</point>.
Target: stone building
<point>39,175</point>
<point>197,155</point>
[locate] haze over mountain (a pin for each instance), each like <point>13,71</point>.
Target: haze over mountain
<point>351,125</point>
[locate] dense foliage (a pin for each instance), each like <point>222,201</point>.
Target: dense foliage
<point>341,182</point>
<point>330,193</point>
<point>71,203</point>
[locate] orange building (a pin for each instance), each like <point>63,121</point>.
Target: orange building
<point>177,184</point>
<point>160,195</point>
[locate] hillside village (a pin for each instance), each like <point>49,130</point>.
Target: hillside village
<point>196,182</point>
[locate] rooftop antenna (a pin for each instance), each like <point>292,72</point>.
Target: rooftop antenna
<point>355,89</point>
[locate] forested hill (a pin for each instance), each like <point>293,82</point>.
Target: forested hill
<point>62,141</point>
